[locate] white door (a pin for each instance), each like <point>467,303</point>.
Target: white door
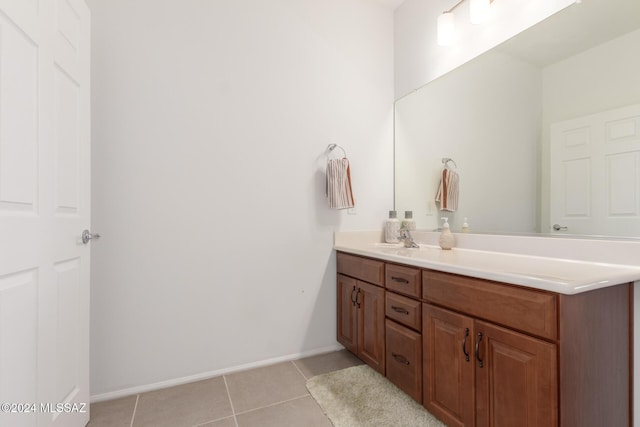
<point>44,207</point>
<point>595,174</point>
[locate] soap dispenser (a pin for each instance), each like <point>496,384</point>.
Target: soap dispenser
<point>465,226</point>
<point>392,228</point>
<point>447,240</point>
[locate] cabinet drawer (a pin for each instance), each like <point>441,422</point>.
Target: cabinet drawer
<point>365,269</point>
<point>404,359</point>
<point>404,310</point>
<point>405,280</point>
<point>519,308</point>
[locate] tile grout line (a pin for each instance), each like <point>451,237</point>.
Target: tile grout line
<point>301,373</point>
<point>251,410</point>
<point>233,409</point>
<point>212,421</point>
<point>135,408</point>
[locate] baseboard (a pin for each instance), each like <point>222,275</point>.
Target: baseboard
<point>211,374</point>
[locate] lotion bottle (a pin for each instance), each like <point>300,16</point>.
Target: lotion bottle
<point>408,223</point>
<point>447,240</point>
<point>392,228</point>
<point>465,226</point>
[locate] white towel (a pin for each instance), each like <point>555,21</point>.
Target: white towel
<point>448,190</point>
<point>339,190</point>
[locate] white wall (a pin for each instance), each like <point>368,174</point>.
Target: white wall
<point>475,116</point>
<point>210,123</point>
<point>419,59</point>
<point>599,79</point>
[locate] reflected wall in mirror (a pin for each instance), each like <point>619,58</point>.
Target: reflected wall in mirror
<point>493,116</point>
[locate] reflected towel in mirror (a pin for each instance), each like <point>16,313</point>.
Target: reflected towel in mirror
<point>447,193</point>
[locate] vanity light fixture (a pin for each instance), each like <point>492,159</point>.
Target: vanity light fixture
<point>478,13</point>
<point>446,28</point>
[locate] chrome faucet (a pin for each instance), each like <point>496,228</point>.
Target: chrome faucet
<point>407,239</point>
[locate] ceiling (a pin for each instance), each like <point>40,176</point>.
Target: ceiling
<point>558,37</point>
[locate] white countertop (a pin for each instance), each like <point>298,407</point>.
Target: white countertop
<point>564,276</point>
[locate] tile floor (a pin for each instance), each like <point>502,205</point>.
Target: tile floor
<point>269,396</point>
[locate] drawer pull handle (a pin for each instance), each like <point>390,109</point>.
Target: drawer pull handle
<point>400,358</point>
<point>399,279</point>
<point>480,361</point>
<point>358,298</point>
<point>353,300</point>
<point>464,344</point>
<point>399,309</point>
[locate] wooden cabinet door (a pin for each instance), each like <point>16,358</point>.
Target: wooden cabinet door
<point>448,366</point>
<point>370,305</point>
<point>347,313</point>
<point>516,383</point>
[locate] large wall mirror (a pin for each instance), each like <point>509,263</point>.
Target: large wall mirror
<point>571,80</point>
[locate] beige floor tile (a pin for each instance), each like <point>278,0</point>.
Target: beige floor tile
<point>184,405</point>
<point>328,362</point>
<point>270,396</point>
<point>113,413</point>
<point>265,386</point>
<point>303,412</point>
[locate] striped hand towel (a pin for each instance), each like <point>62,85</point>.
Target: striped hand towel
<point>448,190</point>
<point>339,190</point>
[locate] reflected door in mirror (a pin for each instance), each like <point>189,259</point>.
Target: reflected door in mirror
<point>595,173</point>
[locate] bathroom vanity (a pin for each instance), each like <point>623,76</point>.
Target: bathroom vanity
<point>485,338</point>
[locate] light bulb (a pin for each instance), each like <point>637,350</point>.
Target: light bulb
<point>479,11</point>
<point>446,29</point>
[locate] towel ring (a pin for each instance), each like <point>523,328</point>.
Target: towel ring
<point>332,147</point>
<point>446,160</point>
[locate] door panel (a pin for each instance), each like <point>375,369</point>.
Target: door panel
<point>68,331</point>
<point>19,342</point>
<point>622,172</point>
<point>67,144</point>
<point>370,303</point>
<point>68,28</point>
<point>448,373</point>
<point>517,382</point>
<point>18,120</point>
<point>347,313</point>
